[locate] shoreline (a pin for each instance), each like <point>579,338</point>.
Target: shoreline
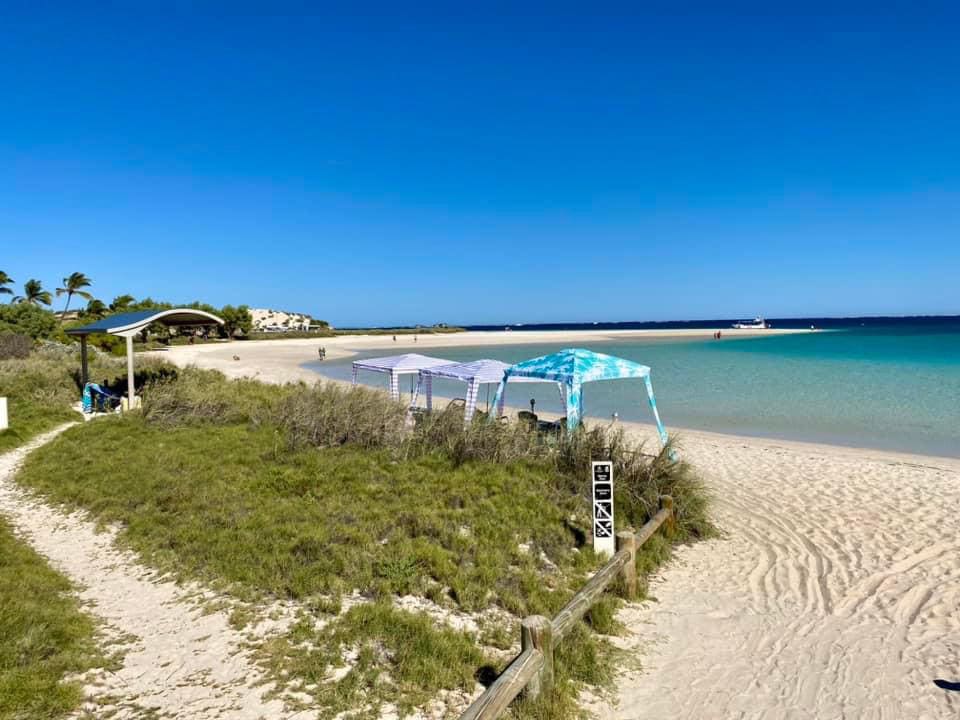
<point>285,360</point>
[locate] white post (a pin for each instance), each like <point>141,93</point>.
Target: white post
<point>130,388</point>
<point>4,424</point>
<point>603,531</point>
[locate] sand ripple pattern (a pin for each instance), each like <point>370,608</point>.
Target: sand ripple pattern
<point>179,661</point>
<point>835,592</point>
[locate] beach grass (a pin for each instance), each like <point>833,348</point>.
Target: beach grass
<point>233,506</point>
<point>45,636</point>
<point>29,419</point>
<point>39,393</point>
<point>396,657</point>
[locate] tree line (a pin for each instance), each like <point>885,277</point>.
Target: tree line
<point>30,313</point>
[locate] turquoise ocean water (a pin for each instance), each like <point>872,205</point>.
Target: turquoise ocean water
<point>895,388</point>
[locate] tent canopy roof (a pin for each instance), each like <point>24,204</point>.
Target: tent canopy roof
<point>578,365</point>
<point>481,371</point>
<point>408,363</point>
<point>134,321</point>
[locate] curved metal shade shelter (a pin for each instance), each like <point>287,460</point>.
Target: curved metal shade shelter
<point>129,324</point>
<point>474,374</point>
<point>397,365</point>
<point>574,367</point>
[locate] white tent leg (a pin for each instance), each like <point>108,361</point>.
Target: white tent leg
<point>130,389</point>
<point>356,370</point>
<point>473,388</point>
<point>428,380</point>
<point>415,394</point>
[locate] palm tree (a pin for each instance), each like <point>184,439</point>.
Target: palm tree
<point>34,294</point>
<point>122,303</point>
<point>74,285</point>
<point>95,309</point>
<point>4,281</point>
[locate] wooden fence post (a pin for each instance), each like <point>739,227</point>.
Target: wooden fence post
<point>626,540</point>
<point>536,632</point>
<point>666,503</point>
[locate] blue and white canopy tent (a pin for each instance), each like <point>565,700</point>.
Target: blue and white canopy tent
<point>574,367</point>
<point>397,365</point>
<point>474,374</point>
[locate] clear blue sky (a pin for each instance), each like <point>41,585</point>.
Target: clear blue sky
<point>407,163</point>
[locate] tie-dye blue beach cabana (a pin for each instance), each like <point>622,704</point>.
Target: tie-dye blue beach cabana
<point>574,367</point>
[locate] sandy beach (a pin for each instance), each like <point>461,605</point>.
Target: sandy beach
<point>833,591</point>
<point>280,360</point>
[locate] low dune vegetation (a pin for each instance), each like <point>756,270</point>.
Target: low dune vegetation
<point>45,636</point>
<point>42,386</point>
<point>40,390</point>
<point>411,551</point>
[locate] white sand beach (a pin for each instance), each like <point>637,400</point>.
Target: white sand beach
<point>280,360</point>
<point>833,591</point>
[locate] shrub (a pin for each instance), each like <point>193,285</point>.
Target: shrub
<point>30,320</point>
<point>329,415</point>
<point>193,396</point>
<point>444,432</point>
<point>14,345</point>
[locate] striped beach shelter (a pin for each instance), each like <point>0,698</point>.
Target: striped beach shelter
<point>397,365</point>
<point>574,367</point>
<point>474,374</point>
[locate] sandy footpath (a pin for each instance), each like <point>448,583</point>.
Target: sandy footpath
<point>833,593</point>
<point>179,659</point>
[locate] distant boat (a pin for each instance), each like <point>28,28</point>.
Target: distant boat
<point>757,324</point>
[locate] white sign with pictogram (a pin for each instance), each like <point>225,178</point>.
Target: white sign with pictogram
<point>603,541</point>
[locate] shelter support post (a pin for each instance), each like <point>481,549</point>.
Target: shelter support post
<point>355,371</point>
<point>428,380</point>
<point>394,385</point>
<point>84,374</point>
<point>131,393</point>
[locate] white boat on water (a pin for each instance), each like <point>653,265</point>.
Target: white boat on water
<point>757,324</point>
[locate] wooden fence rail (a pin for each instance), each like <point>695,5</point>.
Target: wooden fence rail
<point>532,669</point>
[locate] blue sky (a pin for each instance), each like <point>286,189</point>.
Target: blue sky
<point>411,163</point>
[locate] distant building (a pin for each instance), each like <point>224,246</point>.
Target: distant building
<point>281,321</point>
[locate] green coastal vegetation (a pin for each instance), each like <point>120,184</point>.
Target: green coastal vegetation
<point>327,499</point>
<point>30,313</point>
<point>45,636</point>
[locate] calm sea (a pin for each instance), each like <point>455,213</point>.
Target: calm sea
<point>888,383</point>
